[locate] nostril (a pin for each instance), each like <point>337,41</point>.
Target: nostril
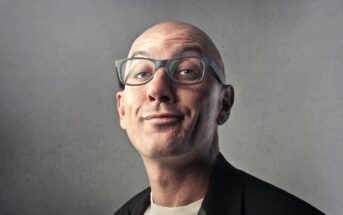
<point>164,99</point>
<point>160,98</point>
<point>151,98</point>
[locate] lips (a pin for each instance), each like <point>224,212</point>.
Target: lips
<point>163,118</point>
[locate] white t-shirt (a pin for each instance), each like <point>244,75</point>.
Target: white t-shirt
<point>193,208</point>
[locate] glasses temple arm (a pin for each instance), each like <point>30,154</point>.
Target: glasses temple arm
<point>220,73</point>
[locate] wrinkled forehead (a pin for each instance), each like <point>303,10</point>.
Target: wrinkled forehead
<point>168,41</point>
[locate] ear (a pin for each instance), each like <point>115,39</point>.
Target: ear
<point>227,101</point>
<point>121,108</point>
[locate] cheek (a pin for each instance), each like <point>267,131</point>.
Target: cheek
<point>200,107</point>
<point>204,109</point>
<point>202,99</point>
<point>132,104</point>
<point>133,101</point>
<point>207,112</point>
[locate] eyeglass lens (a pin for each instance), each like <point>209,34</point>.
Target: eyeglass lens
<point>181,70</point>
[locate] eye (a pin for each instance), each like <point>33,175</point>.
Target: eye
<point>143,75</point>
<point>187,74</point>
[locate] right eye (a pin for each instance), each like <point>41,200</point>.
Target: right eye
<point>143,75</point>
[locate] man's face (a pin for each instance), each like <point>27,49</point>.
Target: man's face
<point>164,119</point>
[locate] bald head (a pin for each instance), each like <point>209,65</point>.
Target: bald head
<point>172,31</point>
<point>172,106</point>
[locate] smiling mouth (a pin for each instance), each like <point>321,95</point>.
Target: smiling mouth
<point>163,118</point>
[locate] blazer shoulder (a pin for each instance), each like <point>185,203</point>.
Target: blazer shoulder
<point>260,197</point>
<point>136,203</point>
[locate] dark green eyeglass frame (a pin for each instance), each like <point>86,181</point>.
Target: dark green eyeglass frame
<point>163,63</point>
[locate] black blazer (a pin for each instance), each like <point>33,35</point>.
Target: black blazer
<point>234,192</point>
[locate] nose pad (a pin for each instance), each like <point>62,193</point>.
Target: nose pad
<point>164,65</point>
<point>160,64</point>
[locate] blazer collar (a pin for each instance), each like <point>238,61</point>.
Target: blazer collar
<point>225,192</point>
<point>142,203</point>
<point>224,195</point>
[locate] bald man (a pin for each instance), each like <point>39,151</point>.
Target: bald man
<point>173,97</point>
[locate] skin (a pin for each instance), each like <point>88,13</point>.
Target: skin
<point>174,127</point>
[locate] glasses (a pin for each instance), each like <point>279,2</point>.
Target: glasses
<point>182,70</point>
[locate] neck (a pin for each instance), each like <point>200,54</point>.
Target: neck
<point>181,181</point>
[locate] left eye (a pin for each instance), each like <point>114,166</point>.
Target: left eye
<point>187,75</point>
<point>187,72</point>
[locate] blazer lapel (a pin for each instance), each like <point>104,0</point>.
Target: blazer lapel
<point>225,192</point>
<point>142,204</point>
<point>224,195</point>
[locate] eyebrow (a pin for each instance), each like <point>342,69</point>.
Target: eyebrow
<point>189,48</point>
<point>144,53</point>
<point>193,48</point>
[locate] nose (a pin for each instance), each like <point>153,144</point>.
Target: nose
<point>161,88</point>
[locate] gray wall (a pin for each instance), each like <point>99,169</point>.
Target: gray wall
<point>62,150</point>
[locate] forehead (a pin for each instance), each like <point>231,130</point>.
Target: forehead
<point>166,43</point>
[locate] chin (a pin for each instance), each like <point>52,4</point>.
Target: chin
<point>162,148</point>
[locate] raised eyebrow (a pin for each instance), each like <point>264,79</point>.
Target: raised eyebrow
<point>193,48</point>
<point>144,53</point>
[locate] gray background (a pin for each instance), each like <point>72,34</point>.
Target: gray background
<point>62,150</point>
